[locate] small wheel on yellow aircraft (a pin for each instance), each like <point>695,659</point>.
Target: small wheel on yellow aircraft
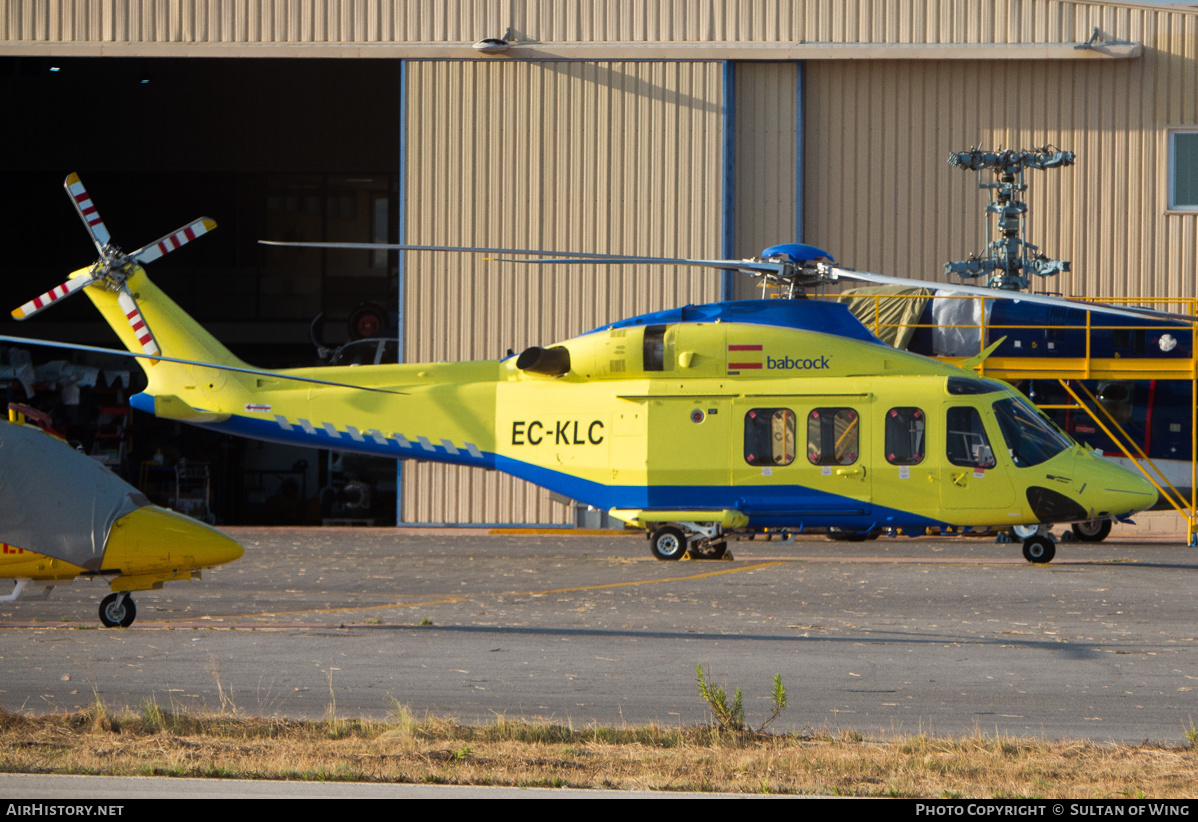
<point>1039,550</point>
<point>668,542</point>
<point>1092,531</point>
<point>117,610</point>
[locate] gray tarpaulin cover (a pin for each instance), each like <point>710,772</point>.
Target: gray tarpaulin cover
<point>57,501</point>
<point>963,340</point>
<point>894,317</point>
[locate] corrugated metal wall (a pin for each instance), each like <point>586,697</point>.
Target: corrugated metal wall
<point>608,157</point>
<point>767,170</point>
<point>436,21</point>
<point>879,190</point>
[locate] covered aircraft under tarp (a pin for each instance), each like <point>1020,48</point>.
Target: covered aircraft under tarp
<point>64,515</point>
<point>72,524</point>
<point>892,320</point>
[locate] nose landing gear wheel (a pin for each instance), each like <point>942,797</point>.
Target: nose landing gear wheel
<point>1039,550</point>
<point>117,611</point>
<point>667,542</point>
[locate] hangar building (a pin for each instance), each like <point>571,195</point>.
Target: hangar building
<point>697,128</point>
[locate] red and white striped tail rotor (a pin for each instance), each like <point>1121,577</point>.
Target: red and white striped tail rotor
<point>114,266</point>
<point>87,211</point>
<point>53,295</point>
<point>137,322</point>
<point>167,244</point>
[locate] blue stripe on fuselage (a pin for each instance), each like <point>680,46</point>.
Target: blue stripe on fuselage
<point>320,436</point>
<point>767,506</point>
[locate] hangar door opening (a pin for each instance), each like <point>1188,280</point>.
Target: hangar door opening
<point>303,148</point>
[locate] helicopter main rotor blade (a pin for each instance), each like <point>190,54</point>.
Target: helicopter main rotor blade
<point>164,245</point>
<point>779,269</point>
<point>55,294</point>
<point>255,372</point>
<point>617,259</point>
<point>1133,312</point>
<point>560,257</point>
<point>407,247</point>
<point>87,211</point>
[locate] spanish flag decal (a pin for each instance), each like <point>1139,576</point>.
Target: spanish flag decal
<point>744,358</point>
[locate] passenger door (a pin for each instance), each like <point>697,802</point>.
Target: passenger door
<point>975,486</point>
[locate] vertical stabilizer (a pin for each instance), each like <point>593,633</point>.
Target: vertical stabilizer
<point>176,333</point>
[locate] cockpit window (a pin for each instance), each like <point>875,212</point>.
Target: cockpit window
<point>1030,439</point>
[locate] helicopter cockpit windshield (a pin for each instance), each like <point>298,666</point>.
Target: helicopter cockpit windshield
<point>1030,439</point>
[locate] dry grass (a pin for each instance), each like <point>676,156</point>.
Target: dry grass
<point>159,741</point>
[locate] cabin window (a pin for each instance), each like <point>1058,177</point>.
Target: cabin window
<point>832,436</point>
<point>967,443</point>
<point>770,436</point>
<point>904,436</point>
<point>1183,170</point>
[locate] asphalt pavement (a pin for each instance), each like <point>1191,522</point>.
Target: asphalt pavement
<point>945,636</point>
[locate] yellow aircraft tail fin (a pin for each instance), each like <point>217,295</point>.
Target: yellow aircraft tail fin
<point>177,334</point>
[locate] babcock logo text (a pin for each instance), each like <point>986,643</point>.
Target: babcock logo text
<point>797,363</point>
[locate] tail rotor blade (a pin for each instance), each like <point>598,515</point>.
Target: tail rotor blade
<point>167,244</point>
<point>137,322</point>
<point>53,295</point>
<point>87,211</point>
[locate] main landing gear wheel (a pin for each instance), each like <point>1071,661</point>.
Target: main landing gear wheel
<point>117,611</point>
<point>1093,531</point>
<point>712,550</point>
<point>668,542</point>
<point>1039,550</point>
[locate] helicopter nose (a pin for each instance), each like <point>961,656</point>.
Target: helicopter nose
<point>151,538</point>
<point>1095,488</point>
<point>1117,490</point>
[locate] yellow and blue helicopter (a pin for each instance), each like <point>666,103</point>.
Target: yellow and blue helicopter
<point>694,423</point>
